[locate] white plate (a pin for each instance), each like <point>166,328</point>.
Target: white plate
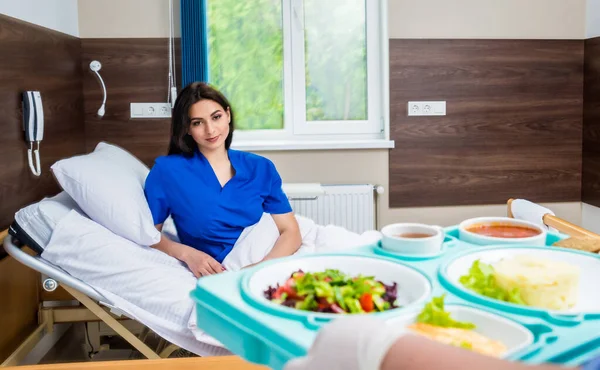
<point>513,335</point>
<point>588,296</point>
<point>412,286</point>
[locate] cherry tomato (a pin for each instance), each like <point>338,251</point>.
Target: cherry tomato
<point>279,292</point>
<point>366,301</point>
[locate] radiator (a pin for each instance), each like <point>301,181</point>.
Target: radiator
<point>348,206</point>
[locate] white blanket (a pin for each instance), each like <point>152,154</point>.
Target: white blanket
<point>258,240</point>
<point>153,287</point>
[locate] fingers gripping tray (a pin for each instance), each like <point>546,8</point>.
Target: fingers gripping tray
<point>232,306</point>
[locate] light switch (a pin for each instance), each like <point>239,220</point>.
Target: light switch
<point>136,110</point>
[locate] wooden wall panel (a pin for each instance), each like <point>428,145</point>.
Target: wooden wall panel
<point>134,70</point>
<point>32,58</point>
<point>513,126</point>
<point>591,124</point>
<point>19,288</point>
<point>36,58</point>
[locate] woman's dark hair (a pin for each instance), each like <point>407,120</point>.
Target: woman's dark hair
<point>181,142</point>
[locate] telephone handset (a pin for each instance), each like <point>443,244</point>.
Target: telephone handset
<point>33,125</point>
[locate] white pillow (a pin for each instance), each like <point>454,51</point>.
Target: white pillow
<point>39,219</point>
<point>108,185</point>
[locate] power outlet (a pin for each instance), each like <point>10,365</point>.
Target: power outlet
<point>414,109</point>
<point>426,108</point>
<point>150,110</point>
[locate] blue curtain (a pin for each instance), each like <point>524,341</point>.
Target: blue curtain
<point>194,41</point>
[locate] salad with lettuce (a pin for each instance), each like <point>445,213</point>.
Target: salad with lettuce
<point>434,314</point>
<point>481,279</point>
<point>332,291</point>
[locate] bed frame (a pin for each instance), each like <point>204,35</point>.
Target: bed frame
<point>92,309</point>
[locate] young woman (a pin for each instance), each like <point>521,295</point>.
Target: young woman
<point>211,191</point>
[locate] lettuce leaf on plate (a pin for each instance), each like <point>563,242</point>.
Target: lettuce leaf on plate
<point>480,279</point>
<point>434,314</point>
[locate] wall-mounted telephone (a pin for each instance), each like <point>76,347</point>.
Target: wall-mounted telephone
<point>33,125</point>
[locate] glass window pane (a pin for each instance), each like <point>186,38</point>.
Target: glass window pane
<point>245,42</point>
<point>336,59</point>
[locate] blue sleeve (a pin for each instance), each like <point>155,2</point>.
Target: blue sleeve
<point>155,196</point>
<point>593,364</point>
<point>276,201</point>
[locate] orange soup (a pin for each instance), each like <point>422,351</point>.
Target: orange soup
<point>504,231</point>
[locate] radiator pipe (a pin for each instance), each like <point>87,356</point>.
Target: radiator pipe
<point>377,191</point>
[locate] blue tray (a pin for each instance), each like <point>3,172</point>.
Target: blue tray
<point>265,336</point>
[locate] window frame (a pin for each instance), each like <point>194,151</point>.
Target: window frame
<point>373,123</point>
<point>297,133</point>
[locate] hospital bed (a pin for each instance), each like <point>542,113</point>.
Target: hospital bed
<point>97,307</point>
<point>29,236</point>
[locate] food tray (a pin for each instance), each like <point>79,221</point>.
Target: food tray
<point>228,309</point>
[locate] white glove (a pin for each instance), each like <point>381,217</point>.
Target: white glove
<point>353,342</point>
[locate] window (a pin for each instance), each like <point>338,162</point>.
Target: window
<point>300,70</point>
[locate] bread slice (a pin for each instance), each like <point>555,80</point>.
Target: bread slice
<point>583,244</point>
<point>469,339</point>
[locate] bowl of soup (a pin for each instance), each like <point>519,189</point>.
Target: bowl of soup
<point>501,230</point>
<point>412,239</point>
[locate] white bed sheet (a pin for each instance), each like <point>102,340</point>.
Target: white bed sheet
<point>145,283</point>
<point>153,287</point>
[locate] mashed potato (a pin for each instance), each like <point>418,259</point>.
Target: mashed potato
<point>542,283</point>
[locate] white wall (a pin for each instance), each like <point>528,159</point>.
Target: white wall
<point>592,19</point>
<point>127,18</point>
<point>509,19</point>
<point>485,19</point>
<point>591,218</point>
<point>59,15</point>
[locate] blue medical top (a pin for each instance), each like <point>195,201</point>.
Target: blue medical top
<point>209,217</point>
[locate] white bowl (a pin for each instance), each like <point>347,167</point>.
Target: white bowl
<point>588,295</point>
<point>513,335</point>
<point>432,245</point>
<point>473,238</point>
<point>412,286</point>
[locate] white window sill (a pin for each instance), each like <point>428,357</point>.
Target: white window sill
<point>312,145</point>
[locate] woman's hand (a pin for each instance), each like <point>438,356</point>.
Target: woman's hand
<point>200,263</point>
